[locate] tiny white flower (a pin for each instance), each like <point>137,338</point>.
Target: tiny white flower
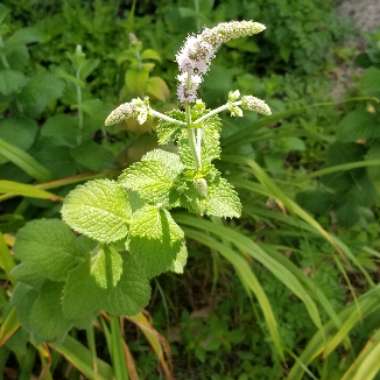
<point>198,51</point>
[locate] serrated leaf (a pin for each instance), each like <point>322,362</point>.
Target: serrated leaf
<point>223,201</point>
<point>98,209</point>
<point>107,267</point>
<point>168,132</point>
<point>47,249</point>
<point>47,321</point>
<point>153,177</point>
<point>82,297</point>
<point>155,239</point>
<point>132,293</point>
<point>22,299</point>
<point>11,81</point>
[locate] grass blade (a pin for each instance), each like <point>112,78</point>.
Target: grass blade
<point>248,247</point>
<point>26,190</point>
<point>80,357</point>
<point>159,345</point>
<point>248,279</point>
<point>24,161</point>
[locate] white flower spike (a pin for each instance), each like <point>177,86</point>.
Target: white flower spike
<point>195,56</point>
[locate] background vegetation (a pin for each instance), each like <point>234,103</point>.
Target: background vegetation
<point>287,292</point>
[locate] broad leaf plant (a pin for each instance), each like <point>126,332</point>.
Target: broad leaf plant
<point>117,234</point>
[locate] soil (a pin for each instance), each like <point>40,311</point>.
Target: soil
<point>364,13</point>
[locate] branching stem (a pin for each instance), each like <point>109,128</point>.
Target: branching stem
<point>193,141</point>
<point>162,116</point>
<point>215,111</point>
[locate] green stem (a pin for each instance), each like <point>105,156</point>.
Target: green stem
<point>92,346</point>
<point>192,139</point>
<point>215,111</point>
<point>3,58</point>
<point>118,357</point>
<point>79,104</point>
<point>162,116</point>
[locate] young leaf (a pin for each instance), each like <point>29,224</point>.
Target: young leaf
<point>223,201</point>
<point>155,239</point>
<point>154,176</point>
<point>107,267</point>
<point>47,249</point>
<point>98,209</point>
<point>168,132</point>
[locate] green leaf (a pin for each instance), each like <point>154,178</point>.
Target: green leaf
<point>98,209</point>
<point>18,131</point>
<point>358,124</point>
<point>223,201</point>
<point>61,129</point>
<point>370,81</point>
<point>153,177</point>
<point>151,54</point>
<point>41,90</point>
<point>155,239</point>
<point>178,265</point>
<point>132,293</point>
<point>24,161</point>
<point>158,88</point>
<point>47,248</point>
<point>168,132</point>
<point>46,316</point>
<point>83,297</point>
<point>92,156</point>
<point>107,267</point>
<point>11,81</point>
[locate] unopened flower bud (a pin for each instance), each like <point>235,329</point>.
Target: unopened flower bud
<point>137,108</point>
<point>250,103</point>
<point>201,186</point>
<point>233,96</point>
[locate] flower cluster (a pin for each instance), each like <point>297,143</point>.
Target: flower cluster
<point>195,56</point>
<point>250,103</point>
<point>137,108</point>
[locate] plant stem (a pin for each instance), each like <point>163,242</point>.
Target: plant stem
<point>192,139</point>
<point>79,104</point>
<point>3,58</point>
<point>162,116</point>
<point>92,346</point>
<point>118,357</point>
<point>215,111</point>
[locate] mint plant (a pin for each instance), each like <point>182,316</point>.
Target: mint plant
<point>126,233</point>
